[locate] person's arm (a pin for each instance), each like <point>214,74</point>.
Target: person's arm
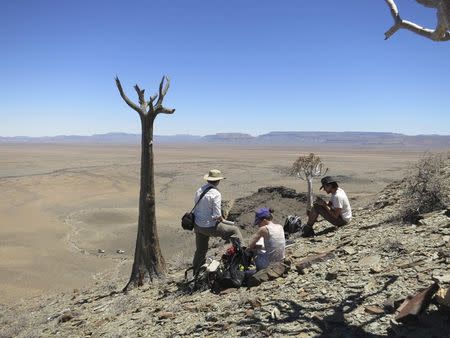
<point>335,212</point>
<point>260,244</point>
<point>335,207</point>
<point>262,232</point>
<point>217,207</point>
<point>319,201</point>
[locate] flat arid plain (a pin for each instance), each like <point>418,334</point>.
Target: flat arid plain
<point>66,210</point>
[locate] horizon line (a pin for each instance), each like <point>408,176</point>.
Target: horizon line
<point>221,133</point>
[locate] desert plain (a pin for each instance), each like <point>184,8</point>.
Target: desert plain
<point>67,210</point>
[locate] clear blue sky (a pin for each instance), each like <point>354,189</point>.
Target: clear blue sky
<point>249,66</point>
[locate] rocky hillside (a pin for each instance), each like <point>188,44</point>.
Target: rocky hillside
<point>351,284</point>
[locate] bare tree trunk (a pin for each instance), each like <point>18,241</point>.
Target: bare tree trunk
<point>310,197</point>
<point>148,260</point>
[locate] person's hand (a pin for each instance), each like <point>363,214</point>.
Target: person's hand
<point>320,202</point>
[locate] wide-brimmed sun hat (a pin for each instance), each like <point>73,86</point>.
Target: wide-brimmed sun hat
<point>214,175</point>
<point>327,180</point>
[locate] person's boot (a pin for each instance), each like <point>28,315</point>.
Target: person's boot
<point>307,231</point>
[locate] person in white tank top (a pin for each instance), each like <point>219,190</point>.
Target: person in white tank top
<point>269,246</point>
<point>269,242</point>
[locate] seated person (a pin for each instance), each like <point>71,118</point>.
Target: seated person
<point>337,211</point>
<point>268,245</point>
<point>259,255</point>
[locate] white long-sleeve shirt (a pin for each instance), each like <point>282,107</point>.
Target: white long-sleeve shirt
<point>209,209</point>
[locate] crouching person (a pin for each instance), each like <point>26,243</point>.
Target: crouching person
<point>268,246</point>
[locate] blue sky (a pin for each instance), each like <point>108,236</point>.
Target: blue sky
<point>250,66</point>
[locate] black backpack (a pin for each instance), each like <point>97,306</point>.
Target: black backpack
<point>231,272</point>
<point>292,225</point>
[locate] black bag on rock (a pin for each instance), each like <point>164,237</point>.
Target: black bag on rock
<point>188,219</point>
<point>292,225</point>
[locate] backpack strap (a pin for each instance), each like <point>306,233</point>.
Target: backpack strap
<point>201,196</point>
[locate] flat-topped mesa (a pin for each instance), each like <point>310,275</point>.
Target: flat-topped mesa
<point>228,137</point>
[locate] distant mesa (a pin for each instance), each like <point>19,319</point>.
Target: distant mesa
<point>228,137</point>
<point>109,138</point>
<point>280,138</point>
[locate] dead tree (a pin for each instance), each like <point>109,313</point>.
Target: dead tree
<point>441,33</point>
<point>307,168</point>
<point>148,260</point>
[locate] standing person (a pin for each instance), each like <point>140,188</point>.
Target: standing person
<point>208,218</point>
<point>337,211</point>
<point>268,244</point>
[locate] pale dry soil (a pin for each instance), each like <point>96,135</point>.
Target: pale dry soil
<point>60,204</point>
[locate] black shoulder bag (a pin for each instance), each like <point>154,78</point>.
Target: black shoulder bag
<point>188,219</point>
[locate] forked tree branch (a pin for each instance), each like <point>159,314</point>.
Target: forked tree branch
<point>310,166</point>
<point>125,98</point>
<point>141,93</point>
<point>148,107</point>
<point>150,103</point>
<point>163,88</point>
<point>164,110</point>
<point>441,33</point>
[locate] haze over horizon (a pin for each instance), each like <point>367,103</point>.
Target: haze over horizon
<point>250,67</point>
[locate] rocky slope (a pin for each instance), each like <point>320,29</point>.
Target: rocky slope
<point>369,267</point>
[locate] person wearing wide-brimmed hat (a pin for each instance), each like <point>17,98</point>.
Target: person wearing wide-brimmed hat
<point>337,211</point>
<point>208,218</point>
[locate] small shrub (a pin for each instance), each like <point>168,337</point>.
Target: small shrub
<point>424,189</point>
<point>307,168</point>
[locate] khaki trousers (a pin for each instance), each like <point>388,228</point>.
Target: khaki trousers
<point>202,235</point>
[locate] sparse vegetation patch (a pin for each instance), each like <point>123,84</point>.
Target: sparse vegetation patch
<point>424,188</point>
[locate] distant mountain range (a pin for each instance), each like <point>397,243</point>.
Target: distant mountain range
<point>272,138</point>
